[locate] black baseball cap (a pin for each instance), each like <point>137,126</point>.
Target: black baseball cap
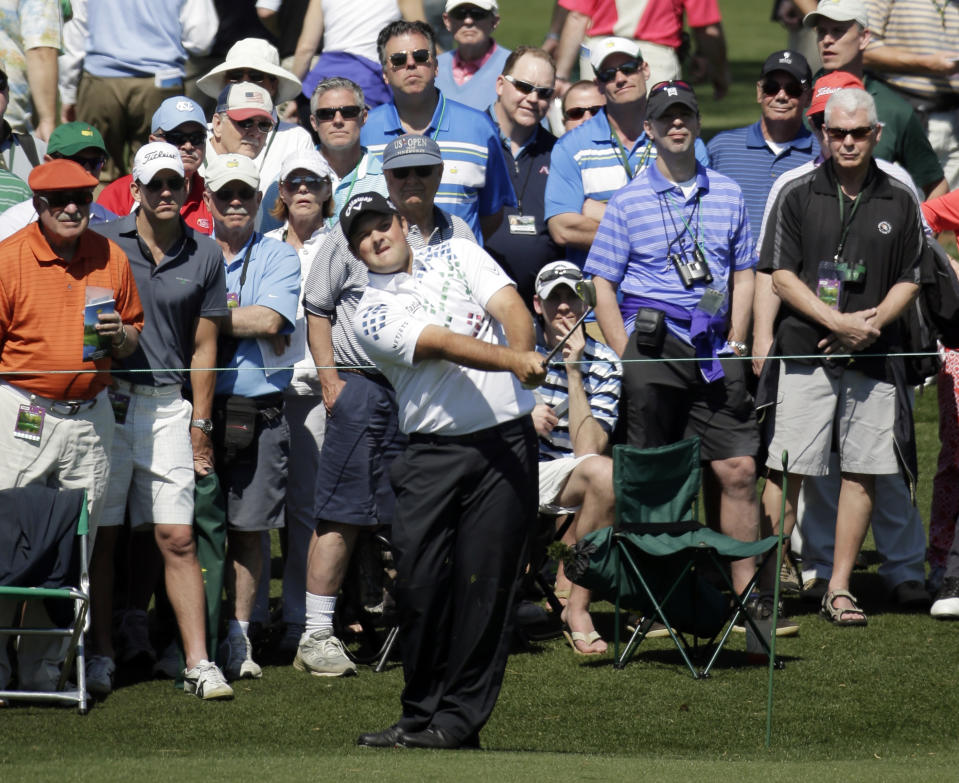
<point>370,203</point>
<point>792,63</point>
<point>665,94</point>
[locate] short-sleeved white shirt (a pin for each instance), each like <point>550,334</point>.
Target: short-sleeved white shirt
<point>449,286</point>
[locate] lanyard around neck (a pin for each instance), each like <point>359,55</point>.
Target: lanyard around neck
<point>845,226</point>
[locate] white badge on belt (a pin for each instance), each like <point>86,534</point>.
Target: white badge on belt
<point>712,301</point>
<point>522,224</point>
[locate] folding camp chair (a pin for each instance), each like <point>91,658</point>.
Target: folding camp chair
<point>45,535</point>
<point>653,556</point>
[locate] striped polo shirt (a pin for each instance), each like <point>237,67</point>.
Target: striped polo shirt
<point>587,163</point>
<point>744,155</point>
<point>475,179</point>
<point>651,218</point>
<point>13,190</point>
<point>602,381</point>
<point>922,27</point>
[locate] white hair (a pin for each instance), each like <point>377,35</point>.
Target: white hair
<point>850,101</point>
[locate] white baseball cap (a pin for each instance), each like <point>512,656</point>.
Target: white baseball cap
<point>613,45</point>
<point>230,167</point>
<point>153,158</point>
<point>839,11</point>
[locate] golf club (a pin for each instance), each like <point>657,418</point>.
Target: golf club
<point>586,291</point>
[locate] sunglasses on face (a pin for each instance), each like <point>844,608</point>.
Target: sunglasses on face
<point>399,59</point>
<point>178,138</point>
<point>229,194</point>
<point>771,88</point>
<point>839,134</point>
<point>627,68</point>
<point>263,126</point>
<point>246,75</point>
<point>58,199</point>
<point>577,112</point>
<point>157,185</point>
<point>462,11</point>
<point>421,171</point>
<point>93,165</point>
<point>4,82</point>
<point>347,112</point>
<point>543,93</point>
<point>313,184</point>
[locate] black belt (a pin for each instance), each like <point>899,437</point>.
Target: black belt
<point>373,376</point>
<point>512,427</point>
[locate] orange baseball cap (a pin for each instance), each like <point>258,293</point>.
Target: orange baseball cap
<point>826,86</point>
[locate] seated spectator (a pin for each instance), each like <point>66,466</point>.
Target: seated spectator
<point>13,190</point>
<point>74,141</point>
<point>522,244</point>
<point>19,152</point>
<point>468,73</point>
<point>257,61</point>
<point>575,416</point>
<point>180,122</point>
<point>582,101</point>
<point>304,204</point>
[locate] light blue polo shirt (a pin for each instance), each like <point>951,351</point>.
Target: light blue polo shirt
<point>475,181</point>
<point>644,223</point>
<point>745,156</point>
<point>587,163</point>
<point>273,281</point>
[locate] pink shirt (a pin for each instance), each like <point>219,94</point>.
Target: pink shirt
<point>463,70</point>
<point>661,21</point>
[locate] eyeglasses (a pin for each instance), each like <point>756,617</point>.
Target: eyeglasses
<point>157,185</point>
<point>313,184</point>
<point>679,84</point>
<point>543,93</point>
<point>58,199</point>
<point>93,165</point>
<point>230,194</point>
<point>347,112</point>
<point>577,112</point>
<point>839,134</point>
<point>563,273</point>
<point>178,138</point>
<point>421,171</point>
<point>462,11</point>
<point>246,75</point>
<point>793,89</point>
<point>627,68</point>
<point>263,126</point>
<point>4,83</point>
<point>399,59</point>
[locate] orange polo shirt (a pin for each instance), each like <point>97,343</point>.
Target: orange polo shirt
<point>41,311</point>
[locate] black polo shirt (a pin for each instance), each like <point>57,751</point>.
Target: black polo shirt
<point>885,236</point>
<point>523,255</point>
<point>174,292</point>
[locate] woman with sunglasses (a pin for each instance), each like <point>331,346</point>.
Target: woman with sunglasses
<point>468,73</point>
<point>305,201</point>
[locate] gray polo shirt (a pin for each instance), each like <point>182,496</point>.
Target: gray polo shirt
<point>174,292</point>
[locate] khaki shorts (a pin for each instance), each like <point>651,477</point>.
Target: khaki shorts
<point>816,409</point>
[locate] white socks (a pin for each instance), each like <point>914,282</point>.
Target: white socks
<point>319,612</point>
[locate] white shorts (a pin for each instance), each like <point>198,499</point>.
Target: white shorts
<point>814,406</point>
<point>151,464</point>
<point>553,475</point>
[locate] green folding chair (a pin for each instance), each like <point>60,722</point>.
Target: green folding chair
<point>653,557</point>
<point>53,569</point>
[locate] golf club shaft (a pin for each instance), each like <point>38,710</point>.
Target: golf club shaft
<point>561,343</point>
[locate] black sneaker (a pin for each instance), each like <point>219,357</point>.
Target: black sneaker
<point>760,608</point>
<point>910,595</point>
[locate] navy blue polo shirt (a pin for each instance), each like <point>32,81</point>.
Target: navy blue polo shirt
<point>743,155</point>
<point>174,292</point>
<point>523,255</point>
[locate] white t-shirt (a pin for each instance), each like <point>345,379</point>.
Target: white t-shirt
<point>450,286</point>
<point>351,26</point>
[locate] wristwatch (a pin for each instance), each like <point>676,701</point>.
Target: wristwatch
<point>204,425</point>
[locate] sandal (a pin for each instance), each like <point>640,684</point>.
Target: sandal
<point>585,638</point>
<point>836,615</point>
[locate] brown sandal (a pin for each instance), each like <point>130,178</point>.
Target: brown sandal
<point>837,616</point>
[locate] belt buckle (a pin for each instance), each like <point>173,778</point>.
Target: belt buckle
<point>64,408</point>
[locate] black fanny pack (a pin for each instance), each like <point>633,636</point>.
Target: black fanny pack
<point>650,328</point>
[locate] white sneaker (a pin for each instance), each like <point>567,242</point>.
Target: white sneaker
<point>133,638</point>
<point>946,605</point>
<point>168,664</point>
<point>207,682</point>
<point>100,671</point>
<point>322,655</point>
<point>237,655</point>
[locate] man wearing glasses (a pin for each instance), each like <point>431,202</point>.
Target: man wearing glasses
<point>675,243</point>
<point>521,244</point>
<point>469,73</point>
<point>160,438</point>
<point>180,122</point>
<point>593,161</point>
<point>475,184</point>
<point>74,141</point>
<point>582,101</point>
<point>58,426</point>
<point>843,244</point>
<point>242,122</point>
<point>250,433</point>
